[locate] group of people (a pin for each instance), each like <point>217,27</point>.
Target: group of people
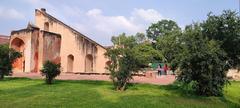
<point>162,70</point>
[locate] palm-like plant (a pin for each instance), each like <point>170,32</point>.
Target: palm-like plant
<point>50,70</point>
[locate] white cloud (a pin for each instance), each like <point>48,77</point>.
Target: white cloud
<point>149,15</point>
<point>101,28</point>
<point>95,24</point>
<point>7,13</point>
<point>110,24</point>
<point>54,10</point>
<point>71,11</point>
<point>94,12</point>
<point>32,1</point>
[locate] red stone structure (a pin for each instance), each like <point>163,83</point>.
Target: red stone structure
<point>4,39</point>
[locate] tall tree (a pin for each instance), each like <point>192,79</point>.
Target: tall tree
<point>147,54</point>
<point>161,28</point>
<point>225,28</point>
<point>140,38</point>
<point>124,41</point>
<point>169,46</point>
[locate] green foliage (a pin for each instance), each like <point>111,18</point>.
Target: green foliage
<point>140,38</point>
<point>203,53</point>
<point>147,54</point>
<point>131,54</point>
<point>169,46</point>
<point>225,28</point>
<point>124,64</point>
<point>7,57</point>
<point>165,35</point>
<point>50,70</point>
<point>162,28</point>
<point>124,41</point>
<point>203,62</point>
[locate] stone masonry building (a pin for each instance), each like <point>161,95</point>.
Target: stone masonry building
<point>51,39</point>
<point>4,39</point>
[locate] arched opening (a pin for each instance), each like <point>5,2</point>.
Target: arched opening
<point>46,26</point>
<point>70,60</point>
<point>89,63</point>
<point>108,63</point>
<point>19,64</point>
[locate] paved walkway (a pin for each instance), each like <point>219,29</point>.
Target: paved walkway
<point>162,80</point>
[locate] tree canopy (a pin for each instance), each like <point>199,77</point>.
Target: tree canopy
<point>225,28</point>
<point>201,62</point>
<point>162,28</point>
<point>129,55</point>
<point>203,52</point>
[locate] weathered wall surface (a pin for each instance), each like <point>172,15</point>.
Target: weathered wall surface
<point>84,50</point>
<point>34,51</point>
<point>51,47</point>
<point>50,39</point>
<point>36,47</point>
<point>23,64</point>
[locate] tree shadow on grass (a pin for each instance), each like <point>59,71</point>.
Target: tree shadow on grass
<point>15,78</point>
<point>90,82</point>
<point>177,89</point>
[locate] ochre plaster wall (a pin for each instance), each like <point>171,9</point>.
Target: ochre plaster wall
<point>73,43</point>
<point>25,36</point>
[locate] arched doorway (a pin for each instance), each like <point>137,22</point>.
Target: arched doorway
<point>19,64</point>
<point>108,63</point>
<point>89,63</point>
<point>70,60</point>
<point>46,26</point>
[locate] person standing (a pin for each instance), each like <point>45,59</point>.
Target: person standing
<point>165,69</point>
<point>159,70</point>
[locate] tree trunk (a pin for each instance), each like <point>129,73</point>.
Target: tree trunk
<point>48,80</point>
<point>124,86</point>
<point>1,75</point>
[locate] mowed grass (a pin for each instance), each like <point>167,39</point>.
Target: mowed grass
<point>28,93</point>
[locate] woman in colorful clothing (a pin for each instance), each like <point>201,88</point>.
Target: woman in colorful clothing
<point>165,68</point>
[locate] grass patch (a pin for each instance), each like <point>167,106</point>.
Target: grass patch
<point>28,93</point>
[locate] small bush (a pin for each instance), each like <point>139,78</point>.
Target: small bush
<point>50,70</point>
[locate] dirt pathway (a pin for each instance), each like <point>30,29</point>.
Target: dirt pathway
<point>162,80</point>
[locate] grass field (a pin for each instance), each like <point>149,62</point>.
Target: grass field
<point>27,93</point>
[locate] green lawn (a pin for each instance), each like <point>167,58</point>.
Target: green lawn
<point>27,93</point>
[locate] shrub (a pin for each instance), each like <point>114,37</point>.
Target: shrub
<point>50,70</point>
<point>7,57</point>
<point>123,64</point>
<point>203,62</point>
<point>128,56</point>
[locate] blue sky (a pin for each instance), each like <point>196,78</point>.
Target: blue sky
<point>101,19</point>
